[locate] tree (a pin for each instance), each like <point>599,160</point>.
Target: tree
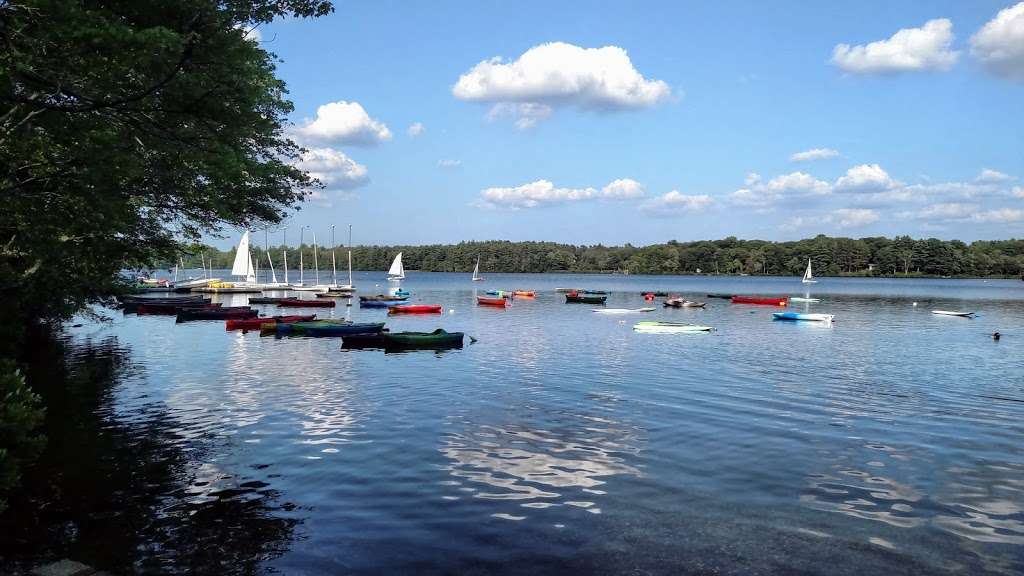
<point>128,128</point>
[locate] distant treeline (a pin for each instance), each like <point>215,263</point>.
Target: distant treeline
<point>875,256</point>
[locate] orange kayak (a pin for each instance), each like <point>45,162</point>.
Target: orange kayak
<point>414,309</point>
<point>771,301</point>
<point>499,302</point>
<point>525,293</point>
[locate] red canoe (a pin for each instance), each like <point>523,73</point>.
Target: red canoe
<point>256,323</point>
<point>773,301</point>
<point>499,302</point>
<point>414,309</point>
<point>297,303</point>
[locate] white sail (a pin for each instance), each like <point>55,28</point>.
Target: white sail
<point>808,278</point>
<point>397,271</point>
<point>243,260</point>
<point>476,271</point>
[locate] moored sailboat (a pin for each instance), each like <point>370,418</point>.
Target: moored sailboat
<point>808,277</point>
<point>476,271</point>
<point>397,270</point>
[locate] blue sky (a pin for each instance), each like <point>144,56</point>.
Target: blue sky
<point>641,122</point>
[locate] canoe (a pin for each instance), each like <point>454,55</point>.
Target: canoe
<point>320,328</point>
<point>297,303</point>
<point>621,310</point>
<point>173,308</point>
<point>499,293</point>
<point>382,298</point>
<point>257,323</point>
<point>405,293</point>
<point>435,339</point>
<point>953,313</point>
<point>722,296</point>
<point>525,293</point>
<point>414,309</point>
<point>669,328</point>
<point>799,299</point>
<point>680,303</point>
<point>128,298</point>
<point>267,299</point>
<point>794,316</point>
<point>224,313</point>
<point>333,294</point>
<point>593,292</point>
<point>762,300</point>
<point>581,298</point>
<point>381,303</point>
<point>659,293</point>
<point>566,290</point>
<point>498,302</point>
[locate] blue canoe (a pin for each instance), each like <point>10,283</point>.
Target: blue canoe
<point>794,316</point>
<point>403,293</point>
<point>381,303</point>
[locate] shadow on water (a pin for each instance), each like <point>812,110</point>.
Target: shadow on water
<point>124,492</point>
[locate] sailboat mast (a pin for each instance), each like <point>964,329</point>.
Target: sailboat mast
<point>302,230</point>
<point>316,263</point>
<point>334,266</point>
<point>350,255</point>
<point>285,249</point>
<point>266,246</point>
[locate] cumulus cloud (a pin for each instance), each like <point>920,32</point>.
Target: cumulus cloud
<point>852,217</point>
<point>788,186</point>
<point>999,45</point>
<point>415,129</point>
<point>332,167</point>
<point>543,192</point>
<point>560,74</point>
<point>675,202</point>
<point>865,178</point>
<point>448,163</point>
<point>344,123</point>
<point>1000,215</point>
<point>945,211</point>
<point>988,176</point>
<point>623,188</point>
<point>910,49</point>
<point>1017,192</point>
<point>526,114</point>
<point>814,154</point>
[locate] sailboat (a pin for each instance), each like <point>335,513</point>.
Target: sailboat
<point>318,287</point>
<point>808,278</point>
<point>344,288</point>
<point>242,266</point>
<point>476,271</point>
<point>397,271</point>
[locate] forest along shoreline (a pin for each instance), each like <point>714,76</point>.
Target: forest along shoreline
<point>899,257</point>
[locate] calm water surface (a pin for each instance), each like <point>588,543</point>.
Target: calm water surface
<point>889,443</point>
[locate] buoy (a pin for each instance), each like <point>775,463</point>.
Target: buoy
<point>451,311</point>
<point>996,336</point>
<point>915,303</point>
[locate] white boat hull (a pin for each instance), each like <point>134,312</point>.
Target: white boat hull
<point>621,310</point>
<point>953,313</point>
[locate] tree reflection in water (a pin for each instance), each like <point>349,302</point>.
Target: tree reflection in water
<point>128,491</point>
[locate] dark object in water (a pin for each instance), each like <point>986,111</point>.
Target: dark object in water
<point>996,336</point>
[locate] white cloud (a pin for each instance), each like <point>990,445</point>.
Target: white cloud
<point>344,123</point>
<point>814,154</point>
<point>999,45</point>
<point>448,163</point>
<point>543,192</point>
<point>852,217</point>
<point>415,129</point>
<point>910,49</point>
<point>989,176</point>
<point>945,211</point>
<point>794,185</point>
<point>332,167</point>
<point>675,202</point>
<point>1017,192</point>
<point>623,188</point>
<point>865,178</point>
<point>527,114</point>
<point>560,74</point>
<point>1000,215</point>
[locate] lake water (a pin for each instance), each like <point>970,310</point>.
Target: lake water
<point>891,442</point>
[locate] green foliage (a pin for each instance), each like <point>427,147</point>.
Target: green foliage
<point>20,415</point>
<point>830,256</point>
<point>127,128</point>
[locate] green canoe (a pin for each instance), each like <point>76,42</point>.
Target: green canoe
<point>434,339</point>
